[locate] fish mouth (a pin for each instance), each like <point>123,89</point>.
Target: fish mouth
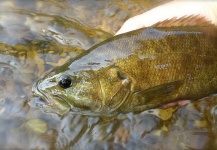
<point>50,104</point>
<point>38,93</point>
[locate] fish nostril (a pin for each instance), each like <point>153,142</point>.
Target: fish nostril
<point>52,80</point>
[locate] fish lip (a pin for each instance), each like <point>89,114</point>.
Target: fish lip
<point>38,93</point>
<point>61,98</point>
<point>47,99</point>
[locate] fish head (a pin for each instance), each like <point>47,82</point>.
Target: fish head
<point>83,91</point>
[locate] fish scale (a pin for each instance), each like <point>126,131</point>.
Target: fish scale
<point>136,71</point>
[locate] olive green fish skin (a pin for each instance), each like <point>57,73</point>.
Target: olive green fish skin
<point>136,71</point>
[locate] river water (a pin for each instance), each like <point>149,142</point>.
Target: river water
<point>36,35</point>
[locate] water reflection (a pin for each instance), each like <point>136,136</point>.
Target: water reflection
<point>38,35</point>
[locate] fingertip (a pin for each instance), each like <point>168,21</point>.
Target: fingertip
<point>131,24</point>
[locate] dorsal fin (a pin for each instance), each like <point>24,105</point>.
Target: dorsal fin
<point>193,20</point>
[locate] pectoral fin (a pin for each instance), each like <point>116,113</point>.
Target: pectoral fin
<point>156,96</point>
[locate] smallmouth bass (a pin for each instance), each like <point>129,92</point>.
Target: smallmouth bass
<point>134,71</point>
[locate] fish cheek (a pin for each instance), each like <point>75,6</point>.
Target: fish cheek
<point>84,93</point>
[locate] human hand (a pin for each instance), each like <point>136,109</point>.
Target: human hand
<point>178,8</point>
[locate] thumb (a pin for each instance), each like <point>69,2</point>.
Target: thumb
<point>207,9</point>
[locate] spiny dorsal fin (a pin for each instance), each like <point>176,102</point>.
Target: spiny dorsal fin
<point>193,20</point>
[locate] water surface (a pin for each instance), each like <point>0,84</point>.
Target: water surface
<point>38,35</point>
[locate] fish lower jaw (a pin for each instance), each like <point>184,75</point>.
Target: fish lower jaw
<point>51,104</point>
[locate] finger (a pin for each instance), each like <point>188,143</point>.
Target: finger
<point>207,9</point>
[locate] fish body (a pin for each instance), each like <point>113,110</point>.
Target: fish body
<point>134,71</point>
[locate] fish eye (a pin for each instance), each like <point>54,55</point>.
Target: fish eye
<point>65,81</point>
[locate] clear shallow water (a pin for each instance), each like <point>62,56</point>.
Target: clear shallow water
<point>38,35</point>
